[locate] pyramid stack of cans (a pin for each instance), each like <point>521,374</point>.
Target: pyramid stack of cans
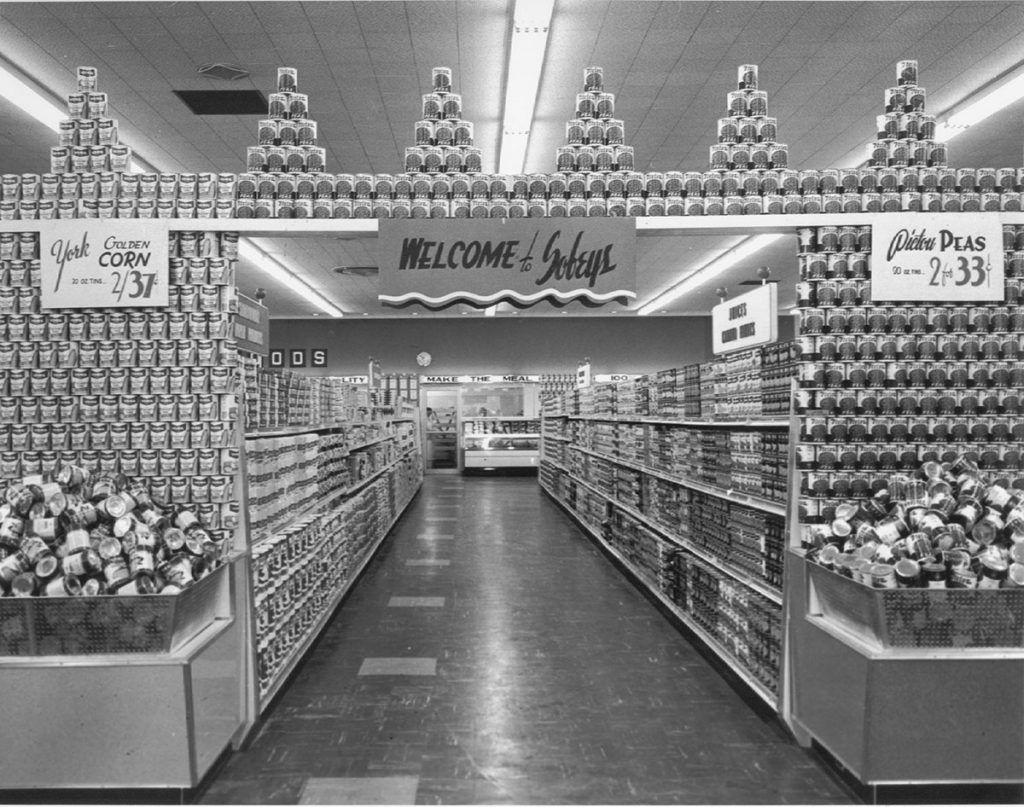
<point>595,139</point>
<point>91,175</point>
<point>284,172</point>
<point>443,138</point>
<point>748,137</point>
<point>906,133</point>
<point>85,534</point>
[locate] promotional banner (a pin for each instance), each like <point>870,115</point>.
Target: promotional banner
<point>479,379</point>
<point>937,257</point>
<point>104,263</point>
<point>252,326</point>
<point>438,263</point>
<point>745,321</point>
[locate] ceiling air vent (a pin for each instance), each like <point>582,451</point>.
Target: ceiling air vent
<point>224,102</point>
<point>225,72</point>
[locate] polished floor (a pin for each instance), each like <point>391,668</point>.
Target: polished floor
<point>492,654</point>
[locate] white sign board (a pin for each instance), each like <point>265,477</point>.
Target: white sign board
<point>614,378</point>
<point>937,257</point>
<point>104,263</point>
<point>583,376</point>
<point>746,321</point>
<point>489,378</point>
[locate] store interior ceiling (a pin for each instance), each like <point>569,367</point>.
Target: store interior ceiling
<point>365,65</point>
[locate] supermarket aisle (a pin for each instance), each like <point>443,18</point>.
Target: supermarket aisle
<point>492,654</point>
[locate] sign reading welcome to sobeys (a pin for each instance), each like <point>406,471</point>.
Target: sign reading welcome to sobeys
<point>441,262</point>
<point>937,257</point>
<point>104,263</point>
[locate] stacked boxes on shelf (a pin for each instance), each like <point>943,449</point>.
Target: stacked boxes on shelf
<point>285,171</point>
<point>903,405</point>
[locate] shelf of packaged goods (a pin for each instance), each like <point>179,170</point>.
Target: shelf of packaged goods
<point>746,499</point>
<point>710,641</point>
<point>759,423</point>
<point>300,649</point>
<point>501,434</point>
<point>559,438</point>
<point>324,503</point>
<point>291,431</point>
<point>761,587</point>
<point>488,418</point>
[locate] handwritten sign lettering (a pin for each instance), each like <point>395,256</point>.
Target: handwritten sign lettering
<point>438,263</point>
<point>104,263</point>
<point>927,257</point>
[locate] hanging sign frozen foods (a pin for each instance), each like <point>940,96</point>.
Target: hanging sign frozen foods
<point>438,263</point>
<point>104,263</point>
<point>936,257</point>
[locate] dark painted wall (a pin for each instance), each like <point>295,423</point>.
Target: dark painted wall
<point>506,344</point>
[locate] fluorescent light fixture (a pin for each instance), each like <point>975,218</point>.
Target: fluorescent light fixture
<point>976,112</point>
<point>732,256</point>
<point>281,273</point>
<point>33,102</point>
<point>531,21</point>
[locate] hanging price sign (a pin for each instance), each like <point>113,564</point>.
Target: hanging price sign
<point>104,263</point>
<point>937,257</point>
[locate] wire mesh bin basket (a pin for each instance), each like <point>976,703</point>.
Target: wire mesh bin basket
<point>917,617</point>
<point>152,623</point>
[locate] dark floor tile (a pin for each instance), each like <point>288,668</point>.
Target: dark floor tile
<point>557,681</point>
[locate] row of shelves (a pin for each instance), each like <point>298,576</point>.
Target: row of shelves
<point>292,431</point>
<point>331,500</point>
<point>710,641</point>
<point>761,588</point>
<point>300,650</point>
<point>759,423</point>
<point>746,499</point>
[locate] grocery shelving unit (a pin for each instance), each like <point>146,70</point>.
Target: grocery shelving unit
<point>600,508</point>
<point>304,567</point>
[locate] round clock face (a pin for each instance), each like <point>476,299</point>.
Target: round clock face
<point>423,359</point>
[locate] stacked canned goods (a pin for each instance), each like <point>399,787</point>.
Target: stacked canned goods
<point>906,134</point>
<point>886,390</point>
<point>943,527</point>
<point>748,137</point>
<point>147,393</point>
<point>594,137</point>
<point>91,176</point>
<point>300,572</point>
<point>77,533</point>
<point>443,137</point>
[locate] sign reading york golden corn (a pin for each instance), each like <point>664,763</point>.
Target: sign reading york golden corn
<point>439,263</point>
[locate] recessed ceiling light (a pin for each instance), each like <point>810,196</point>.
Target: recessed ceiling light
<point>366,313</point>
<point>415,313</point>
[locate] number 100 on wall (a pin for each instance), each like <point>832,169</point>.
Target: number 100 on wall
<point>945,257</point>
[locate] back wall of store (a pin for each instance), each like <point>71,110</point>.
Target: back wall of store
<point>512,345</point>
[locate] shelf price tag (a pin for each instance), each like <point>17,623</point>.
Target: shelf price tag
<point>104,263</point>
<point>937,257</point>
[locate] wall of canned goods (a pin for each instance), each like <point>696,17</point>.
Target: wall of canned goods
<point>286,174</point>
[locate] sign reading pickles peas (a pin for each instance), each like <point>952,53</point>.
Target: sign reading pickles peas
<point>104,263</point>
<point>937,257</point>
